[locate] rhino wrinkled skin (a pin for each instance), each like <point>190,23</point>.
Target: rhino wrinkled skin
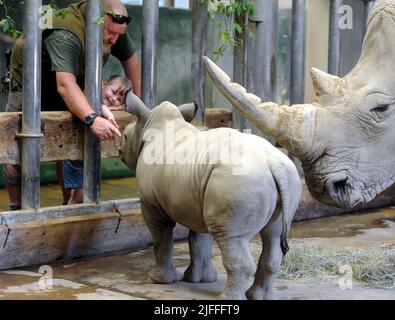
<point>345,139</point>
<point>257,192</point>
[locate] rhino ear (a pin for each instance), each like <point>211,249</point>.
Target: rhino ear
<point>328,88</point>
<point>137,107</point>
<point>188,110</point>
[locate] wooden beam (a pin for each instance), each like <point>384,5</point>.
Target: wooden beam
<point>63,135</point>
<point>217,118</point>
<point>62,235</point>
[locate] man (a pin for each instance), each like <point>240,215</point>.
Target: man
<point>63,67</point>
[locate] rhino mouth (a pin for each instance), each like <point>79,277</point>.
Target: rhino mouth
<point>341,191</point>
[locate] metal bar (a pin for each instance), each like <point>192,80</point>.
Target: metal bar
<point>31,102</point>
<point>239,68</point>
<point>267,49</point>
<point>262,55</point>
<point>199,47</point>
<point>149,51</point>
<point>369,4</point>
<point>298,51</point>
<point>334,37</point>
<point>93,72</point>
<point>266,52</point>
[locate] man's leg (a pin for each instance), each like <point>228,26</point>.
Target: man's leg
<point>13,185</point>
<point>13,172</point>
<point>77,196</point>
<point>59,173</point>
<point>73,174</point>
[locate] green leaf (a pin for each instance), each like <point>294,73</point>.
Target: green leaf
<point>239,10</point>
<point>5,24</point>
<point>219,25</point>
<point>99,21</point>
<point>224,36</point>
<point>16,33</point>
<point>238,28</point>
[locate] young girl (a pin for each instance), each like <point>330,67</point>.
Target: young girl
<point>113,96</point>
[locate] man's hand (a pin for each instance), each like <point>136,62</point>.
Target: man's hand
<point>104,129</point>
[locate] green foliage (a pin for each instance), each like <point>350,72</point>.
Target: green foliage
<point>100,21</point>
<point>8,25</point>
<point>232,28</point>
<point>58,12</point>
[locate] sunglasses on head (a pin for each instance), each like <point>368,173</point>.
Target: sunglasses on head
<point>118,18</point>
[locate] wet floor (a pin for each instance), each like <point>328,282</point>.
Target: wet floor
<point>123,275</point>
<point>111,189</point>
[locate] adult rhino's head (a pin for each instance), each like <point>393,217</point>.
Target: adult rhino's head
<point>346,138</point>
<point>132,141</point>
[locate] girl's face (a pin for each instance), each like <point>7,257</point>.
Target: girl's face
<point>111,96</point>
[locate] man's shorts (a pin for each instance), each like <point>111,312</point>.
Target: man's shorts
<point>14,102</point>
<point>73,174</point>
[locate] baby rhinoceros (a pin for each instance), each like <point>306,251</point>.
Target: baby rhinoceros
<point>218,182</point>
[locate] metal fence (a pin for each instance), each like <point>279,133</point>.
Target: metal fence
<point>254,68</point>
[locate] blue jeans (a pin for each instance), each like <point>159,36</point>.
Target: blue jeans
<point>73,174</point>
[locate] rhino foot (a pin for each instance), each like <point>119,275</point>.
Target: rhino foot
<point>162,275</point>
<point>196,274</point>
<point>231,296</point>
<point>258,293</point>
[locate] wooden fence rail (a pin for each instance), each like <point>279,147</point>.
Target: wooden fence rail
<point>63,134</point>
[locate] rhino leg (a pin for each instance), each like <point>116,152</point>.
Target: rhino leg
<point>200,269</point>
<point>269,261</point>
<point>239,266</point>
<point>161,228</point>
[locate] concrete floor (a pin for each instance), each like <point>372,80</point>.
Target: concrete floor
<point>123,275</point>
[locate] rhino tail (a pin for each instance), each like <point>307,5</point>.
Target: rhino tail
<point>282,179</point>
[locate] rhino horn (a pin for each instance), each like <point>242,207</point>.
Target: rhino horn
<point>137,107</point>
<point>292,127</point>
<point>329,89</point>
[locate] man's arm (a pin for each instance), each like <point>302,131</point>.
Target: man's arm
<point>78,105</point>
<point>132,70</point>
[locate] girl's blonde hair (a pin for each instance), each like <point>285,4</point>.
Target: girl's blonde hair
<point>125,86</point>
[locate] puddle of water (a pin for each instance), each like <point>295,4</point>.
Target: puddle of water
<point>348,225</point>
<point>15,285</point>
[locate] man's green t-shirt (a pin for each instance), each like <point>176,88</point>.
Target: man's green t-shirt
<point>62,52</point>
<point>65,51</point>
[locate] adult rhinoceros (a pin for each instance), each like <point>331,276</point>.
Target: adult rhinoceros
<point>346,138</point>
<point>251,188</point>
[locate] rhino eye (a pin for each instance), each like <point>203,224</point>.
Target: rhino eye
<point>382,108</point>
